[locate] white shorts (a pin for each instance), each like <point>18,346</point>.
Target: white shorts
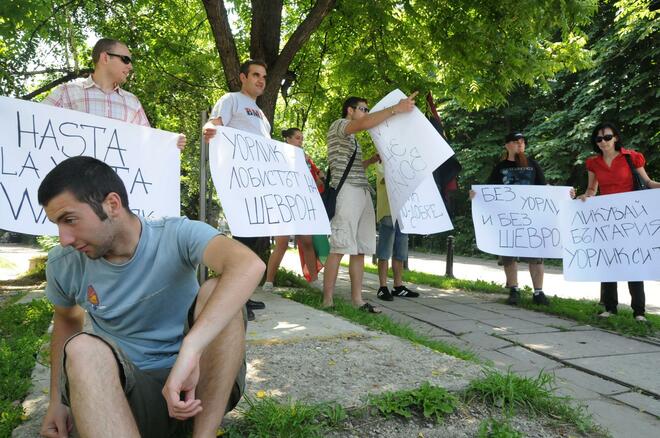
<point>354,225</point>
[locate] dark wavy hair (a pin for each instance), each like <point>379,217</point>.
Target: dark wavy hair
<point>89,180</point>
<point>351,102</point>
<point>601,126</point>
<point>288,133</point>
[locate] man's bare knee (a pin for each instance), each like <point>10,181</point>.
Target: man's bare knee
<point>204,294</point>
<point>84,350</point>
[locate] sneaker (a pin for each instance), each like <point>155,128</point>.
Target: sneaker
<point>641,318</point>
<point>316,284</point>
<point>514,296</point>
<point>384,294</point>
<point>250,314</point>
<point>402,291</point>
<point>540,299</point>
<point>267,287</point>
<point>605,314</point>
<point>255,305</point>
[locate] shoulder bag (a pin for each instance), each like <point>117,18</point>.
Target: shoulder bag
<point>329,195</point>
<point>638,182</point>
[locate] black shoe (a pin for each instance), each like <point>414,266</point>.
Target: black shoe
<point>540,299</point>
<point>384,294</point>
<point>255,305</point>
<point>250,314</point>
<point>514,297</point>
<point>402,291</point>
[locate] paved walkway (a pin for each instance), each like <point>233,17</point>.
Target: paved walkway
<point>614,376</point>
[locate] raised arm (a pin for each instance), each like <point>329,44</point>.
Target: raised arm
<point>67,321</point>
<point>374,119</point>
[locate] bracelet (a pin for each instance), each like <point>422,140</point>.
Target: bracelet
<point>392,111</point>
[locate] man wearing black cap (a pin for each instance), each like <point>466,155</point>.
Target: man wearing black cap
<point>517,168</point>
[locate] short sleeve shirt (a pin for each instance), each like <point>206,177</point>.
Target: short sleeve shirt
<point>86,96</point>
<point>142,304</point>
<point>616,178</point>
<point>340,149</point>
<point>508,172</point>
<point>239,111</point>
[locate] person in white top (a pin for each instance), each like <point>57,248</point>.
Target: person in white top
<point>239,110</point>
<point>101,93</point>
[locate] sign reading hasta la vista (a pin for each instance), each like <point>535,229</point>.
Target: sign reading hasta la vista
<point>612,237</point>
<point>410,149</point>
<point>36,137</point>
<point>265,186</point>
<point>519,220</point>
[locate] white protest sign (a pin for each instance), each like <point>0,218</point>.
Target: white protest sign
<point>410,149</point>
<point>36,137</point>
<point>265,186</point>
<point>612,237</point>
<point>425,211</point>
<point>519,220</point>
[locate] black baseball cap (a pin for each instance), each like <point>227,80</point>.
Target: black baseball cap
<point>513,136</point>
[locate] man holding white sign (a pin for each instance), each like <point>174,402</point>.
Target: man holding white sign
<point>353,226</point>
<point>239,110</point>
<point>517,168</point>
<point>100,94</point>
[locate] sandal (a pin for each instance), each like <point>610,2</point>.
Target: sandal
<point>384,294</point>
<point>368,308</point>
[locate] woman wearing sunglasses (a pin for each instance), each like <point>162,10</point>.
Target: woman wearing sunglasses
<point>308,260</point>
<point>609,170</point>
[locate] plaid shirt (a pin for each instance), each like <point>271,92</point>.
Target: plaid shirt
<point>86,96</point>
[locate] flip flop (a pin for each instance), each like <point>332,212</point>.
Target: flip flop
<point>368,308</point>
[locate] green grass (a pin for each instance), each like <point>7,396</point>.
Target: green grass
<point>442,282</point>
<point>22,333</point>
<point>432,402</point>
<point>581,311</point>
<point>533,395</point>
<point>269,417</point>
<point>310,297</point>
<point>495,428</point>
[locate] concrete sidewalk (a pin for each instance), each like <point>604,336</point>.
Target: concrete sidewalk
<point>614,376</point>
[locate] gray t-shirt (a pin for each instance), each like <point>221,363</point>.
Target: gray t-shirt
<point>142,304</point>
<point>340,149</point>
<point>239,111</point>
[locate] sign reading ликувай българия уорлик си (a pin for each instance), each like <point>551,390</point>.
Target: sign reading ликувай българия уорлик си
<point>612,237</point>
<point>36,137</point>
<point>265,186</point>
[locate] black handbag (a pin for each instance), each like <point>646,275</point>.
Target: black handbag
<point>329,195</point>
<point>638,182</point>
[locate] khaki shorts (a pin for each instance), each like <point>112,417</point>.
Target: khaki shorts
<point>353,227</point>
<point>143,391</point>
<point>508,261</point>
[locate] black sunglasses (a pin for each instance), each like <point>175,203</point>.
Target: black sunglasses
<point>124,58</point>
<point>364,109</point>
<point>607,137</point>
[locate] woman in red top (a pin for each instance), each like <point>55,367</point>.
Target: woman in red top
<point>610,171</point>
<point>310,264</point>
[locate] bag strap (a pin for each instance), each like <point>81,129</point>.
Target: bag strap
<point>630,163</point>
<point>348,167</point>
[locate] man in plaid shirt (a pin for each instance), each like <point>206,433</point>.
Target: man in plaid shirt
<point>100,94</point>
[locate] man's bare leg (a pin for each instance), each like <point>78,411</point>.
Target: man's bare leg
<point>219,366</point>
<point>397,271</point>
<point>356,272</point>
<point>330,277</point>
<point>382,272</point>
<point>511,273</point>
<point>536,272</point>
<point>98,402</point>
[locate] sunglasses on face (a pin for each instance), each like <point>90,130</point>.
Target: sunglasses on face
<point>364,109</point>
<point>607,137</point>
<point>124,58</point>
